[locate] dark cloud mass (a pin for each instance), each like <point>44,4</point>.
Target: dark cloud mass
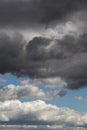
<point>10,52</point>
<point>45,58</point>
<point>20,12</point>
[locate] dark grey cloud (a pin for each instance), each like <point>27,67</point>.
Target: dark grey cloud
<point>45,58</point>
<point>11,51</point>
<point>59,9</point>
<point>23,13</point>
<point>62,93</point>
<point>66,58</point>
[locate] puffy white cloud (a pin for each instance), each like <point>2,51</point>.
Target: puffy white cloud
<point>11,92</point>
<point>38,113</point>
<point>28,90</point>
<point>52,83</point>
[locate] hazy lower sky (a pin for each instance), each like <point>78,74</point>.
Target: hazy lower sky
<point>43,66</point>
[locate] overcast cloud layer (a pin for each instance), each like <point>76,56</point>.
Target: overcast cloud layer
<point>20,12</point>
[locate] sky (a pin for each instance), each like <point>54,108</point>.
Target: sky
<point>43,67</point>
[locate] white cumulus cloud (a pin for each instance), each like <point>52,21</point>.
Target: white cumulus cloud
<point>38,113</point>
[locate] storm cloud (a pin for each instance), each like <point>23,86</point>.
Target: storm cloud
<point>64,58</point>
<point>29,12</point>
<point>43,58</point>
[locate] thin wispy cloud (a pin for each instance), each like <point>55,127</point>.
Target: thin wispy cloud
<point>81,98</point>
